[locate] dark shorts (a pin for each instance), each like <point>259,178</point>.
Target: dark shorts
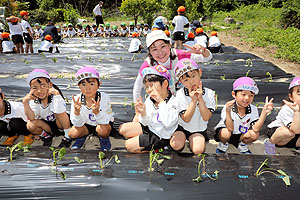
<point>178,36</point>
<point>234,139</point>
<point>290,144</point>
<point>99,20</point>
<point>54,129</point>
<point>188,134</point>
<point>17,39</point>
<point>92,129</point>
<point>215,49</point>
<point>148,139</point>
<point>28,39</point>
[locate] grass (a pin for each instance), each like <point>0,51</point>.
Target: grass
<point>262,27</point>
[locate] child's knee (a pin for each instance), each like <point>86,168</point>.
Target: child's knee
<point>103,130</point>
<point>177,144</point>
<point>198,149</point>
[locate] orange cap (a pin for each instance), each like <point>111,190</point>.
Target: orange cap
<point>191,35</point>
<point>167,32</point>
<point>23,13</point>
<point>48,37</point>
<point>13,20</point>
<point>213,33</point>
<point>4,35</point>
<point>199,30</point>
<point>181,9</point>
<point>135,34</point>
<point>154,29</point>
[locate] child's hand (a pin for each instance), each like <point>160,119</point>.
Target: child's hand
<point>29,96</point>
<point>294,106</point>
<point>140,107</point>
<point>95,106</point>
<point>53,91</point>
<point>197,49</point>
<point>229,105</point>
<point>77,105</point>
<point>268,106</point>
<point>155,95</point>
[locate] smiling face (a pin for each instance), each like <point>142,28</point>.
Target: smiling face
<point>41,87</point>
<point>243,97</point>
<point>160,51</point>
<point>295,95</point>
<point>191,80</point>
<point>89,87</point>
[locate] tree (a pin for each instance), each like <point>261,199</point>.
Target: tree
<point>291,14</point>
<point>133,8</point>
<point>194,9</point>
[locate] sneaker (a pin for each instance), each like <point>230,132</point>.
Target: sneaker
<point>28,139</point>
<point>243,148</point>
<point>297,149</point>
<point>105,144</point>
<point>47,140</point>
<point>10,140</point>
<point>79,142</point>
<point>65,142</point>
<point>269,147</point>
<point>222,148</point>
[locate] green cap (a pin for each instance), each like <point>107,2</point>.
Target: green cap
<point>101,25</point>
<point>57,26</point>
<point>37,24</point>
<point>114,27</point>
<point>84,25</point>
<point>43,27</point>
<point>79,24</point>
<point>70,24</point>
<point>131,23</point>
<point>65,25</point>
<point>138,23</point>
<point>123,24</point>
<point>107,24</point>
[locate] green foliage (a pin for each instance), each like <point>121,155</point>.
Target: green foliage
<point>133,8</point>
<point>45,4</point>
<point>195,9</point>
<point>291,14</point>
<point>18,147</point>
<point>42,16</point>
<point>155,158</point>
<point>70,15</point>
<point>171,6</point>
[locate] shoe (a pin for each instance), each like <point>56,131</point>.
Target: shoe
<point>105,144</point>
<point>222,148</point>
<point>79,142</point>
<point>28,139</point>
<point>10,140</point>
<point>47,141</point>
<point>65,142</point>
<point>243,148</point>
<point>269,147</point>
<point>297,149</point>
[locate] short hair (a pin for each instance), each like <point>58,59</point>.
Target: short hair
<point>89,80</point>
<point>154,78</point>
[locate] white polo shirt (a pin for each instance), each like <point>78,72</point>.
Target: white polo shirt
<point>214,42</point>
<point>241,124</point>
<point>284,118</point>
<point>202,40</point>
<point>197,124</point>
<point>13,110</point>
<point>97,10</point>
<point>7,46</point>
<point>161,120</point>
<point>134,45</point>
<point>71,33</point>
<point>15,29</point>
<point>86,114</point>
<point>180,21</point>
<point>56,105</point>
<point>45,46</point>
<point>107,30</point>
<point>26,25</point>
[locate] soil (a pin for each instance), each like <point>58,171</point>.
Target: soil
<point>228,39</point>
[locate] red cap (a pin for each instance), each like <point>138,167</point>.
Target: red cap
<point>167,32</point>
<point>48,37</point>
<point>4,35</point>
<point>191,35</point>
<point>181,9</point>
<point>213,33</point>
<point>23,13</point>
<point>13,20</point>
<point>135,34</point>
<point>199,30</point>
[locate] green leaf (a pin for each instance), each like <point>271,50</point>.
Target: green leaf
<point>117,159</point>
<point>286,180</point>
<point>61,153</point>
<point>51,148</point>
<point>166,157</point>
<point>198,179</point>
<point>63,175</point>
<point>101,155</point>
<point>78,160</point>
<point>160,161</point>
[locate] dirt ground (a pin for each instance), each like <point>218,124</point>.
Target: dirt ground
<point>228,39</point>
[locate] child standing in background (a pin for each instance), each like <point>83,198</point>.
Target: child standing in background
<point>179,23</point>
<point>27,31</point>
<point>284,131</point>
<point>16,32</point>
<point>197,104</point>
<point>240,123</point>
<point>91,111</point>
<point>45,109</point>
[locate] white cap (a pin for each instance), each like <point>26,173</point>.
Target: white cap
<point>155,35</point>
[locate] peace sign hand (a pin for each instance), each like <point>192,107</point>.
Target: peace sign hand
<point>95,106</point>
<point>140,107</point>
<point>197,49</point>
<point>294,106</point>
<point>77,106</point>
<point>268,106</point>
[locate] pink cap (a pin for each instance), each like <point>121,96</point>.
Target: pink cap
<point>183,66</point>
<point>245,83</point>
<point>86,72</point>
<point>1,91</point>
<point>37,73</point>
<point>157,70</point>
<point>295,82</point>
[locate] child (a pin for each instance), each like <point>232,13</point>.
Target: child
<point>107,30</point>
<point>139,29</point>
<point>201,38</point>
<point>135,44</point>
<point>179,23</point>
<point>16,32</point>
<point>168,34</point>
<point>146,30</point>
<point>115,31</point>
<point>45,109</point>
<point>13,121</point>
<point>190,39</point>
<point>71,32</point>
<point>132,29</point>
<point>47,45</point>
<point>7,45</point>
<point>27,31</point>
<point>80,30</point>
<point>101,31</point>
<point>158,116</point>
<point>160,52</point>
<point>214,44</point>
<point>240,123</point>
<point>38,31</point>
<point>124,30</point>
<point>95,31</point>
<point>65,30</point>
<point>197,104</point>
<point>284,131</point>
<point>90,110</point>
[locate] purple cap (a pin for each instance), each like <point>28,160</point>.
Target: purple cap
<point>295,82</point>
<point>37,73</point>
<point>183,66</point>
<point>157,70</point>
<point>245,83</point>
<point>86,72</point>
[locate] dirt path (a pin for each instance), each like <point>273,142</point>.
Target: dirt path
<point>265,53</point>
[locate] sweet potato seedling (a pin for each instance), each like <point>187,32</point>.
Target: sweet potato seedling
<point>202,173</point>
<point>102,156</point>
<point>154,157</point>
